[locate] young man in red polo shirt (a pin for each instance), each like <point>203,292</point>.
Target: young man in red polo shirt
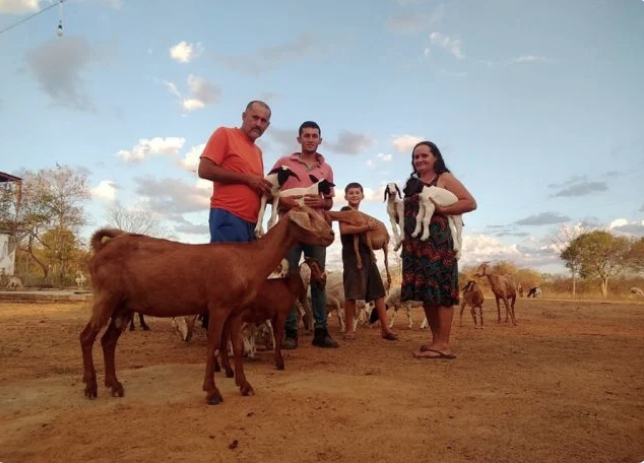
<point>234,163</point>
<point>305,163</point>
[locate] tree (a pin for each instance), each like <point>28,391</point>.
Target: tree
<point>601,255</point>
<point>131,221</point>
<point>561,241</point>
<point>51,199</point>
<point>635,256</point>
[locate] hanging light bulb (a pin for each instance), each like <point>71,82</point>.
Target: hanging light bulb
<point>59,29</point>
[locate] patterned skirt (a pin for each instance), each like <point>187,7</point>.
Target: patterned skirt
<point>430,268</point>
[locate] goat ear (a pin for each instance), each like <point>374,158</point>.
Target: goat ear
<point>274,171</point>
<point>386,193</point>
<point>293,174</point>
<point>313,178</point>
<point>300,218</point>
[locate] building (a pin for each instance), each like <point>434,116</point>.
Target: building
<point>8,242</point>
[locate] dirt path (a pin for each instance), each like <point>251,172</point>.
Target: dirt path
<point>566,385</point>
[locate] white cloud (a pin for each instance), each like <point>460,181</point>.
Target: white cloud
<point>371,164</point>
<point>184,52</point>
<point>405,143</point>
<point>191,159</point>
<point>203,184</point>
<point>530,59</point>
<point>201,93</point>
<point>617,223</point>
<point>350,142</point>
<point>58,65</point>
<point>452,46</point>
<point>106,189</point>
<point>384,157</point>
<point>18,6</point>
<point>152,147</point>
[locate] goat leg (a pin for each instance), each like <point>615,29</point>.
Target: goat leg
<point>278,332</point>
<point>235,322</point>
<point>215,328</point>
<point>419,218</point>
<point>144,327</point>
<point>356,251</point>
<point>223,350</point>
<point>108,341</point>
<point>87,338</point>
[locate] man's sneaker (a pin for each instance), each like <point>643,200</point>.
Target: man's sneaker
<point>289,343</point>
<point>321,338</point>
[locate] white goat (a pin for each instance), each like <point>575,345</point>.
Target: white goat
<point>322,186</point>
<point>80,279</point>
<point>277,177</point>
<point>637,292</point>
<point>426,207</point>
<point>14,283</point>
<point>396,212</point>
<point>393,301</point>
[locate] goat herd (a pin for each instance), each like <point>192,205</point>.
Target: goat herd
<point>230,281</point>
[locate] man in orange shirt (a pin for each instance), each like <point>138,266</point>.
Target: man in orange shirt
<point>233,162</point>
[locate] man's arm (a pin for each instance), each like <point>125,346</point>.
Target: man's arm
<point>210,171</point>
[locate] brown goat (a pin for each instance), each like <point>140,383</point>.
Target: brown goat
<point>504,288</point>
<point>130,274</point>
<point>472,296</point>
<point>273,302</point>
<point>374,239</point>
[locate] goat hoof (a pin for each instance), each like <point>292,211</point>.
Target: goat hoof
<point>145,328</point>
<point>214,399</point>
<point>91,392</point>
<point>279,366</point>
<point>230,374</point>
<point>247,390</point>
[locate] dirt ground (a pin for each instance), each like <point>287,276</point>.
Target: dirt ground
<point>566,385</point>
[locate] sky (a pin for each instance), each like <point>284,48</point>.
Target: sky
<point>537,106</point>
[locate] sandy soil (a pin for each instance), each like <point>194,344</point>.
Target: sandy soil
<point>566,385</point>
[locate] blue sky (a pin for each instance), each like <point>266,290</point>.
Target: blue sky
<point>537,107</point>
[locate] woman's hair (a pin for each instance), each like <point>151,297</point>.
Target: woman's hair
<point>439,165</point>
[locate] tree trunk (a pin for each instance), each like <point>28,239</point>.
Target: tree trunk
<point>30,251</point>
<point>574,285</point>
<point>604,287</point>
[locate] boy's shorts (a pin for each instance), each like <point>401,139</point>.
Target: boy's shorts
<point>362,284</point>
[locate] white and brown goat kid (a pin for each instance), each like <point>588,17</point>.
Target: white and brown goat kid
<point>396,212</point>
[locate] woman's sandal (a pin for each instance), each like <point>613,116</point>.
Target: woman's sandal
<point>390,336</point>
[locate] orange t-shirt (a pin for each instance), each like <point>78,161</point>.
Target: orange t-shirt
<point>231,149</point>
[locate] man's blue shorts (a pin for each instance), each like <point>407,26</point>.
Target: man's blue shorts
<point>227,228</point>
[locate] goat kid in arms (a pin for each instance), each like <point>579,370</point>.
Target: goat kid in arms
<point>430,197</point>
<point>129,274</point>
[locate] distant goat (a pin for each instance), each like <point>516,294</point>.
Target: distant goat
<point>534,292</point>
<point>503,288</point>
<point>144,327</point>
<point>80,280</point>
<point>14,283</point>
<point>396,212</point>
<point>637,292</point>
<point>393,301</point>
<point>472,296</point>
<point>520,289</point>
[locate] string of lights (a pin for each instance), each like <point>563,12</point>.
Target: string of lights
<point>59,30</point>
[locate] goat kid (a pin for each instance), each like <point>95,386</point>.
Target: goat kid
<point>472,296</point>
<point>274,300</point>
<point>374,239</point>
<point>277,177</point>
<point>129,273</point>
<point>393,300</point>
<point>396,212</point>
<point>430,196</point>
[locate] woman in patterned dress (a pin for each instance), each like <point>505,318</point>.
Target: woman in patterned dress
<point>430,268</point>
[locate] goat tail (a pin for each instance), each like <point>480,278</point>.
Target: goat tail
<point>102,236</point>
